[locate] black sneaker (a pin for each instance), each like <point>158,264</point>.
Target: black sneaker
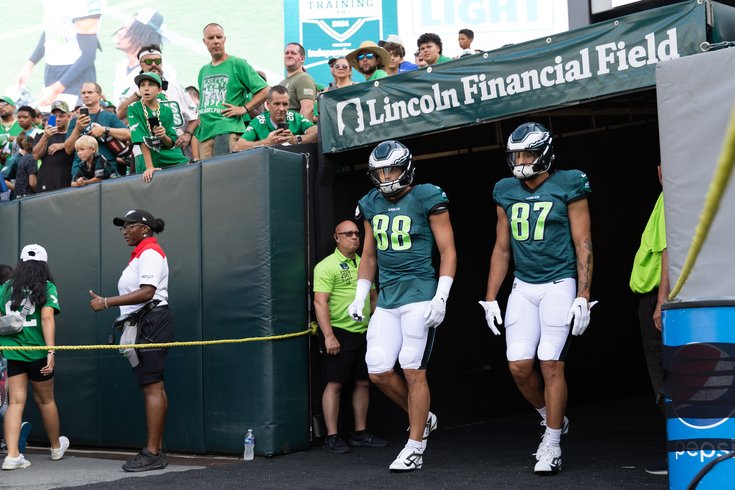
<point>658,468</point>
<point>365,439</point>
<point>164,459</point>
<point>145,461</point>
<point>335,444</point>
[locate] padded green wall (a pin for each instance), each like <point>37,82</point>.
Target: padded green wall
<point>235,240</point>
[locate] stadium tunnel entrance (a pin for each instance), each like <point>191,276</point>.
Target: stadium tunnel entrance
<point>615,141</point>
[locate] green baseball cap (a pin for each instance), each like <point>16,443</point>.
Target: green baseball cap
<point>148,76</point>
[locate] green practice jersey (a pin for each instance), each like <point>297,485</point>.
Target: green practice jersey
<point>404,243</point>
<point>541,239</point>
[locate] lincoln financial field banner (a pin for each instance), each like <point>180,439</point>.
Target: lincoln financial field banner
<point>595,61</point>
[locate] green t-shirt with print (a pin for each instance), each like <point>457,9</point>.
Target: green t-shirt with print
<point>13,130</point>
<point>5,134</point>
<point>141,134</point>
<point>32,333</point>
<point>231,81</point>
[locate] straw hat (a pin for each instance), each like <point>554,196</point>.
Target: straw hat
<point>370,47</point>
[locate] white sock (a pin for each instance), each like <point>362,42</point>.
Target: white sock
<point>416,445</point>
<point>542,411</point>
<point>552,437</point>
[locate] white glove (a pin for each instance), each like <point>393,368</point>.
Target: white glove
<point>434,313</point>
<point>356,308</point>
<point>492,315</point>
<point>579,315</point>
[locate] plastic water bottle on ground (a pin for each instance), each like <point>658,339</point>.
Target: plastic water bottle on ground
<point>249,452</point>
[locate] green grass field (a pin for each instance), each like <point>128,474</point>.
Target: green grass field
<point>254,30</point>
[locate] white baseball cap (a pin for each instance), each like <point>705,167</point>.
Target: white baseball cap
<point>34,252</point>
<point>394,39</point>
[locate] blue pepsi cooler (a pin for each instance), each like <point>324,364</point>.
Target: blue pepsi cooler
<point>699,385</point>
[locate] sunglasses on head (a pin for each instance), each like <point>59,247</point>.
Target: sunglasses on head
<point>152,61</point>
<point>362,56</point>
<point>340,67</point>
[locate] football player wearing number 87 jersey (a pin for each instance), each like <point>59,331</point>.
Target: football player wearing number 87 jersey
<point>403,223</point>
<point>544,224</point>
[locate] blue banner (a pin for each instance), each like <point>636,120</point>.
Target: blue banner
<point>332,28</point>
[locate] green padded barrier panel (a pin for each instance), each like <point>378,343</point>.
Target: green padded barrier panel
<point>235,239</point>
<point>174,196</point>
<point>9,230</point>
<point>254,284</point>
<point>66,224</point>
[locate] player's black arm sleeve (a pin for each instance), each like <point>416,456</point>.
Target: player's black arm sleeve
<point>442,207</point>
<point>88,46</point>
<point>40,50</point>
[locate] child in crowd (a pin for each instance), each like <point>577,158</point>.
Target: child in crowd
<point>25,177</point>
<point>152,129</point>
<point>94,167</point>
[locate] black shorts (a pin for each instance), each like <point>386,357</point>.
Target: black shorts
<point>350,362</point>
<point>31,368</point>
<point>158,326</point>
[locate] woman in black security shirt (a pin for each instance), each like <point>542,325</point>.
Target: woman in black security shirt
<point>144,285</point>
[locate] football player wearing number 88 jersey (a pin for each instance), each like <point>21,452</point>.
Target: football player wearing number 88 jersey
<point>402,225</point>
<point>544,224</point>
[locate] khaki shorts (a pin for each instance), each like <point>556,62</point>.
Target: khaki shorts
<point>221,144</point>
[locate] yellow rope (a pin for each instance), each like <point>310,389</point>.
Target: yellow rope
<point>711,204</point>
<point>311,330</point>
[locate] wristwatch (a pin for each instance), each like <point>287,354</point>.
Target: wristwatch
<point>298,140</point>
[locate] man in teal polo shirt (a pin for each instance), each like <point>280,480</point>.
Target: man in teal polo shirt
<point>650,280</point>
<point>268,129</point>
<point>343,342</point>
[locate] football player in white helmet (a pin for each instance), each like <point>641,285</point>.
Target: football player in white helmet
<point>403,222</point>
<point>546,229</point>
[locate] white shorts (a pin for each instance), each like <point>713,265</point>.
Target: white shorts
<point>399,334</point>
<point>536,320</point>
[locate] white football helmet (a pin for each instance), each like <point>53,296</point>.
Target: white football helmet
<point>534,138</point>
<point>387,155</point>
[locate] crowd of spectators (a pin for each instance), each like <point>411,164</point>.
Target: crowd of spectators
<point>151,122</point>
